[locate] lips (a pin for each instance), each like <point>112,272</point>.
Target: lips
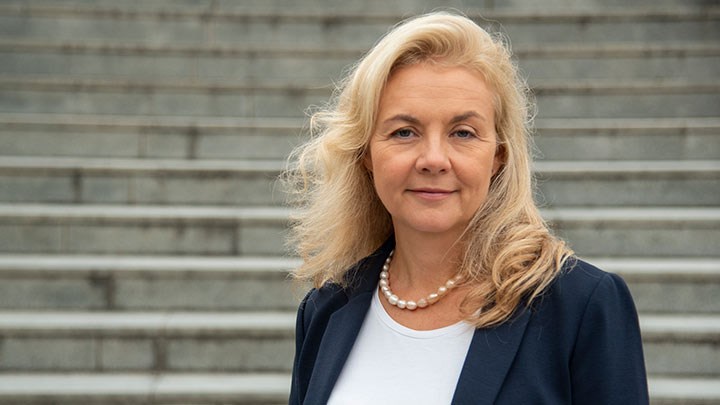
<point>432,194</point>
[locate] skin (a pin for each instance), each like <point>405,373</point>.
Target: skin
<point>432,157</point>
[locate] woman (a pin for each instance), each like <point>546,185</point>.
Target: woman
<point>436,280</point>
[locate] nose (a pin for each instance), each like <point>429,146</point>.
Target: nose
<point>433,156</point>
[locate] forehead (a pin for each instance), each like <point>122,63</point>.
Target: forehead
<point>437,88</point>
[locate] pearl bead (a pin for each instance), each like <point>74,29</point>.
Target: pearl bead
<point>384,275</point>
<point>386,267</point>
<point>422,303</point>
<point>384,288</point>
<point>450,284</point>
<point>411,305</point>
<point>442,290</point>
<point>432,298</point>
<point>401,304</point>
<point>387,293</point>
<point>393,299</point>
<point>383,283</point>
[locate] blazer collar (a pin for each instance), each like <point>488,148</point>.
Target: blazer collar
<point>344,325</point>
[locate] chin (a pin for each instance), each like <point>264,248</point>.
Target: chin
<point>435,227</point>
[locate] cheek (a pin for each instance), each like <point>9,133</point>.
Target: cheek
<point>385,177</point>
<point>478,175</point>
<point>389,177</point>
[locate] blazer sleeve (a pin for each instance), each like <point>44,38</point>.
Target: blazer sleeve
<point>607,363</point>
<point>299,339</point>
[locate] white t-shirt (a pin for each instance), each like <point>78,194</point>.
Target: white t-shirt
<point>393,364</point>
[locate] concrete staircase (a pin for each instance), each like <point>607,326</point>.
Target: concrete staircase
<point>141,250</point>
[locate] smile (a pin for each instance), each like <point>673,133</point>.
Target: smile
<point>431,194</point>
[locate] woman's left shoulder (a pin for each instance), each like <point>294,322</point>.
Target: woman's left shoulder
<point>580,283</point>
<point>583,276</point>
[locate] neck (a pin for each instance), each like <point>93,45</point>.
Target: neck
<point>422,262</point>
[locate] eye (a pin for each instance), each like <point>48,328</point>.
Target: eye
<point>403,133</point>
<point>463,133</point>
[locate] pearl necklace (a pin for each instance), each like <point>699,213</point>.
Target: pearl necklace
<point>412,305</point>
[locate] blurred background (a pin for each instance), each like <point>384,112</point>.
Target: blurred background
<point>142,257</point>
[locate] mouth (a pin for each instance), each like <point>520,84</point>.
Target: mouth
<point>431,193</point>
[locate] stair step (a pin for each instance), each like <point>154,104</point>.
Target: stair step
<point>98,389</point>
<point>13,164</point>
<point>667,269</point>
<point>261,341</point>
<point>640,99</point>
<point>122,283</point>
<point>628,183</point>
<point>684,391</point>
<point>206,10</point>
<point>135,324</point>
<point>669,285</point>
<point>543,62</point>
<point>624,232</point>
<point>180,98</point>
<point>511,7</point>
<point>144,181</point>
<point>355,28</point>
<point>83,122</point>
<point>157,266</point>
<point>253,99</point>
<point>131,341</point>
<point>255,182</point>
<point>137,283</point>
<point>611,139</point>
<point>150,214</point>
<point>118,59</point>
<point>681,344</point>
<point>690,327</point>
<point>186,230</point>
<point>138,136</point>
<point>242,389</point>
<point>153,230</point>
<point>310,51</point>
<point>273,138</point>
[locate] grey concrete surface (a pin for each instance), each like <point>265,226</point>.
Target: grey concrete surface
<point>155,248</point>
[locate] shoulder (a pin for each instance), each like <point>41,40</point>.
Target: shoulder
<point>605,296</point>
<point>324,301</point>
<point>580,281</point>
<point>317,300</point>
<point>580,291</point>
<point>583,309</point>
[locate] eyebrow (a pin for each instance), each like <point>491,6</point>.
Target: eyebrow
<point>403,117</point>
<point>464,116</point>
<point>415,121</point>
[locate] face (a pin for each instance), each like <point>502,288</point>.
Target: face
<point>434,149</point>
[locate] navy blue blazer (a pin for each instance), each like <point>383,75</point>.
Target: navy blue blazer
<point>577,344</point>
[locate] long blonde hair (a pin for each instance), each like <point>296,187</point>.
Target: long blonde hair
<point>509,253</point>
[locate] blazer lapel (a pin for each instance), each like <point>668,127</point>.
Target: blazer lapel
<point>489,358</point>
<point>343,327</point>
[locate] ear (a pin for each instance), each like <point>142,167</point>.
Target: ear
<point>367,161</point>
<point>500,159</point>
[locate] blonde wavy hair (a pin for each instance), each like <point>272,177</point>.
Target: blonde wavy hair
<point>509,253</point>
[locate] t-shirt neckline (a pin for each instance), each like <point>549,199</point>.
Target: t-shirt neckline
<point>445,331</point>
